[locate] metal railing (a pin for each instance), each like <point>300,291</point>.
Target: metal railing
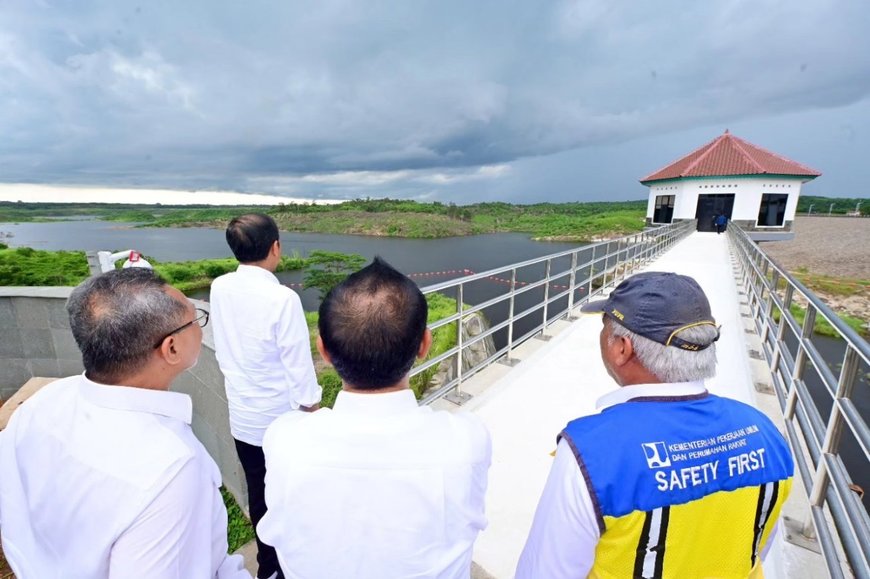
<point>569,278</point>
<point>775,298</point>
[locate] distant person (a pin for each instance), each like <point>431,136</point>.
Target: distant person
<point>377,487</point>
<point>100,474</point>
<point>721,222</point>
<point>667,480</point>
<point>263,349</point>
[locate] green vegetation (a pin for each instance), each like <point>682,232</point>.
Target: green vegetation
<point>326,269</point>
<point>836,205</point>
<point>838,286</point>
<point>380,217</point>
<point>821,326</point>
<point>24,266</point>
<point>192,275</point>
<point>443,339</point>
<point>239,528</point>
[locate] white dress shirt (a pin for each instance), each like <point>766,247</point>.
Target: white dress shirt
<point>565,532</point>
<point>262,346</point>
<point>109,482</point>
<point>377,487</point>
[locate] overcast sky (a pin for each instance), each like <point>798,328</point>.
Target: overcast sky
<point>450,100</point>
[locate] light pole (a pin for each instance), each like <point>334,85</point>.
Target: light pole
<point>810,212</point>
<point>858,207</point>
<point>830,208</point>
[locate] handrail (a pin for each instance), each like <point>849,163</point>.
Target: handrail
<point>609,262</point>
<point>837,517</point>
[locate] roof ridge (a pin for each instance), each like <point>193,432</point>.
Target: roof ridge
<point>713,145</point>
<point>663,167</point>
<point>777,155</point>
<point>747,156</point>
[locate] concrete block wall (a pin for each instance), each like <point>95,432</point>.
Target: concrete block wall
<point>35,340</point>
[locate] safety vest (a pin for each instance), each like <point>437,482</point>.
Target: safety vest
<point>683,486</point>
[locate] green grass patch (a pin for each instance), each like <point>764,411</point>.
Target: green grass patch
<point>192,275</point>
<point>821,326</point>
<point>24,266</point>
<point>838,286</point>
<point>240,531</point>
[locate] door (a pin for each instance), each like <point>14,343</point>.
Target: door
<point>709,206</point>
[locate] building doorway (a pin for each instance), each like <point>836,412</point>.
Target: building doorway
<point>709,206</point>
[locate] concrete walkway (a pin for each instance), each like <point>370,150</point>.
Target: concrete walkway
<point>527,406</point>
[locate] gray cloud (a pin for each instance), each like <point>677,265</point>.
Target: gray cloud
<point>256,96</point>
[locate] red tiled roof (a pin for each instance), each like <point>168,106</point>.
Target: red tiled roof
<point>726,156</point>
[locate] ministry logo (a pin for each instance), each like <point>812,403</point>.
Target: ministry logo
<point>656,454</point>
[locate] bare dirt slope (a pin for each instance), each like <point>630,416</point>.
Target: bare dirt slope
<point>831,246</point>
<point>836,246</point>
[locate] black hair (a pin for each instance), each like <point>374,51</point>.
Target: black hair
<point>251,236</point>
<point>372,325</point>
<point>117,317</point>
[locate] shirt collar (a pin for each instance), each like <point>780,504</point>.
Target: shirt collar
<point>668,390</point>
<point>257,271</point>
<point>162,402</point>
<point>377,404</point>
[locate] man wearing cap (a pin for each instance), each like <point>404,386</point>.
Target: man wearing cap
<point>667,480</point>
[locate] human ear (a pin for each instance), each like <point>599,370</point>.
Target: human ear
<point>425,344</point>
<point>322,349</point>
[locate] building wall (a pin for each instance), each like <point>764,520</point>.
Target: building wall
<point>37,341</point>
<point>747,197</point>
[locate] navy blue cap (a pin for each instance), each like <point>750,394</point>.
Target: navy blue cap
<point>658,305</point>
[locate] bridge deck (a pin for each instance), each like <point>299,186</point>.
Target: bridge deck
<point>526,406</point>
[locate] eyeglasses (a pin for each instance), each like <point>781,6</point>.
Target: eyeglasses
<point>201,318</point>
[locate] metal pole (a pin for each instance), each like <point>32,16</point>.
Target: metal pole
<point>572,284</point>
<point>459,397</point>
<point>508,360</point>
<point>544,335</point>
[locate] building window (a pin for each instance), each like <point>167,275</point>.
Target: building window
<point>771,213</point>
<point>664,210</point>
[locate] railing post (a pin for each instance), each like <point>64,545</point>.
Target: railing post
<point>544,335</point>
<point>459,397</point>
<point>572,285</point>
<point>508,360</point>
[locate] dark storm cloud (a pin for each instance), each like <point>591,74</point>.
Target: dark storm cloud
<point>446,99</point>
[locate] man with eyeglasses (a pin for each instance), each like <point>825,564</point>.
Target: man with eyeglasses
<point>263,349</point>
<point>101,475</point>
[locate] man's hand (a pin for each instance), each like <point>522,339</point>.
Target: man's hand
<point>311,408</point>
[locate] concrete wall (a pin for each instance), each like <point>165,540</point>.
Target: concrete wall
<point>747,193</point>
<point>35,340</point>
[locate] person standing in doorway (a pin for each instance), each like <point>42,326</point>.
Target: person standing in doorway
<point>721,222</point>
<point>262,347</point>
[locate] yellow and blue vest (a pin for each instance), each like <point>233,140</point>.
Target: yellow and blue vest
<point>683,486</point>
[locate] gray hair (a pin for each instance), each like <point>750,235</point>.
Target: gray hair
<point>670,364</point>
<point>117,317</point>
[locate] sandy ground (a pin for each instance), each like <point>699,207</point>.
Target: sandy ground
<point>837,246</point>
<point>834,246</point>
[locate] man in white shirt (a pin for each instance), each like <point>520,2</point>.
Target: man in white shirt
<point>100,474</point>
<point>262,347</point>
<point>377,486</point>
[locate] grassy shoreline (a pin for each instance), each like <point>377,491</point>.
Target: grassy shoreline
<point>382,217</point>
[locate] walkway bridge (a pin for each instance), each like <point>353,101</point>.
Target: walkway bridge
<point>541,368</point>
<point>549,372</point>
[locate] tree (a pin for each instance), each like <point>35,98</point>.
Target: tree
<point>326,269</point>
